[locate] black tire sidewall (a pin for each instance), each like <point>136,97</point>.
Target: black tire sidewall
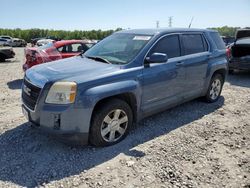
<point>95,136</point>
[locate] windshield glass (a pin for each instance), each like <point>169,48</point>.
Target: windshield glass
<point>119,48</point>
<point>43,47</point>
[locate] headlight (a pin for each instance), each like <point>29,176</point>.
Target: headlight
<point>62,93</point>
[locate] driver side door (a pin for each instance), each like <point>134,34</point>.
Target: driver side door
<point>163,83</point>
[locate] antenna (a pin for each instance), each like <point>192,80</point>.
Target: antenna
<point>191,22</point>
<point>170,21</point>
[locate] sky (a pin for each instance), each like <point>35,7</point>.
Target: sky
<point>112,14</point>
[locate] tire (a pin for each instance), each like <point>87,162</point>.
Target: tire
<point>215,88</point>
<point>231,71</point>
<point>110,123</point>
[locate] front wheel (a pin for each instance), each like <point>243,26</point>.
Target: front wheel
<point>215,88</point>
<point>110,123</point>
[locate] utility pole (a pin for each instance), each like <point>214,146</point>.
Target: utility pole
<point>157,24</point>
<point>170,20</point>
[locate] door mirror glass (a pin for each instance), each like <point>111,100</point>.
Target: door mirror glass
<point>157,58</point>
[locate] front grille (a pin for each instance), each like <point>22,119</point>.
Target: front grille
<point>30,94</point>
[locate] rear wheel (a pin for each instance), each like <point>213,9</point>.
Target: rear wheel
<point>110,123</point>
<point>215,88</point>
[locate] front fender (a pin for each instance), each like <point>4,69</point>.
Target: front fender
<point>91,96</point>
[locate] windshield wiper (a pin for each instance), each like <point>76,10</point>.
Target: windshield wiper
<point>98,58</point>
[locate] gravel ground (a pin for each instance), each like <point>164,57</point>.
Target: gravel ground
<point>193,145</point>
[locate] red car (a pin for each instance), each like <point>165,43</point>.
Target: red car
<point>54,51</point>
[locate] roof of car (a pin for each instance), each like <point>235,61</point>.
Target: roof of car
<point>63,42</point>
<point>162,31</point>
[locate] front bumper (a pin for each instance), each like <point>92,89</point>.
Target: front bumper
<point>64,123</point>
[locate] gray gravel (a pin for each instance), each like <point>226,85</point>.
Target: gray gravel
<point>192,145</point>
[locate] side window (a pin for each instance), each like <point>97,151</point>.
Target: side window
<point>77,47</point>
<point>85,47</point>
<point>71,48</point>
<point>169,45</point>
<point>193,43</point>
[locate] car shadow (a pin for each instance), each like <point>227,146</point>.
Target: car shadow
<point>30,158</point>
<point>13,60</point>
<point>15,84</point>
<point>241,78</point>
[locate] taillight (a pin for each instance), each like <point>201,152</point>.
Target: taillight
<point>228,51</point>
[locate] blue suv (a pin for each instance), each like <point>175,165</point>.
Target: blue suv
<point>97,96</point>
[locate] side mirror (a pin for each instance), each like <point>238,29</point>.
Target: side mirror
<point>157,58</point>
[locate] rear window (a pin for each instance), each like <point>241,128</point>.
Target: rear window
<point>218,40</point>
<point>193,43</point>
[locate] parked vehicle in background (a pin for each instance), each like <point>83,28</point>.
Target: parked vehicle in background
<point>125,77</point>
<point>8,38</point>
<point>239,51</point>
<point>54,51</point>
<point>6,53</point>
<point>16,42</point>
<point>35,40</point>
<point>23,43</point>
<point>4,42</point>
<point>228,40</point>
<point>43,42</point>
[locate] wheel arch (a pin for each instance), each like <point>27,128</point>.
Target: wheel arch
<point>127,97</point>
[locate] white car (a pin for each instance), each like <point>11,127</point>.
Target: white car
<point>8,38</point>
<point>44,42</point>
<point>4,42</point>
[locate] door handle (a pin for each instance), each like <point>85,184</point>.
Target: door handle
<point>179,63</point>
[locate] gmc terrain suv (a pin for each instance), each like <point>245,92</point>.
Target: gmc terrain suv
<point>95,97</point>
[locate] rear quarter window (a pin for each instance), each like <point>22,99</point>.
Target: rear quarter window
<point>218,40</point>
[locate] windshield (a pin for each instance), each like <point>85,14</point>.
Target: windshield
<point>119,48</point>
<point>48,45</point>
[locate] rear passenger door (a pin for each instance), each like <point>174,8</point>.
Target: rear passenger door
<point>195,49</point>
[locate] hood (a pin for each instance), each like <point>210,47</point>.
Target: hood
<point>78,69</point>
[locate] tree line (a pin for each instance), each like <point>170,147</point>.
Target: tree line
<point>227,31</point>
<point>28,34</point>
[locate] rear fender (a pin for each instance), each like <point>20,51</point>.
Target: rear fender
<point>218,63</point>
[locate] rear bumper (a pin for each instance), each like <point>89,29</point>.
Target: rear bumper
<point>239,65</point>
